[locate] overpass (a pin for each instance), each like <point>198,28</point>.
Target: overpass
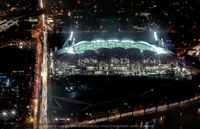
<point>6,24</point>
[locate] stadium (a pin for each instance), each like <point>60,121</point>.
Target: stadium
<point>112,56</point>
<point>119,75</point>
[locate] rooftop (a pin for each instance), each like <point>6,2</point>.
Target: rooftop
<point>82,46</point>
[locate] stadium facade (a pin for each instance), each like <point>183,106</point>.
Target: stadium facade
<point>122,57</point>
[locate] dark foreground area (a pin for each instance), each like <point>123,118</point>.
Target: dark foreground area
<point>181,118</point>
<point>16,81</point>
<point>89,97</point>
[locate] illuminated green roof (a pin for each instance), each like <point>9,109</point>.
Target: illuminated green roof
<point>83,46</point>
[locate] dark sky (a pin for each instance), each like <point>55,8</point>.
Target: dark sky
<point>14,8</point>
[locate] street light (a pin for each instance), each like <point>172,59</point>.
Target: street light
<point>68,119</point>
<point>4,113</point>
<point>13,112</point>
<point>31,120</point>
<point>5,117</point>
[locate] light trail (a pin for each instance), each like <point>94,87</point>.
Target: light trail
<point>43,121</point>
<point>39,109</point>
<point>37,83</point>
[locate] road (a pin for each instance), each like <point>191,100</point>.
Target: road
<point>38,106</point>
<point>44,75</point>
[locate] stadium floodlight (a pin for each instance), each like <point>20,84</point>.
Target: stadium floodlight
<point>71,35</point>
<point>162,42</point>
<point>159,50</point>
<point>73,41</point>
<point>155,35</point>
<point>70,50</point>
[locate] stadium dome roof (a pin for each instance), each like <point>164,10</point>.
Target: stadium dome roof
<point>83,46</point>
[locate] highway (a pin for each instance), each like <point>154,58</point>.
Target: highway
<point>44,75</point>
<point>37,82</point>
<point>39,111</point>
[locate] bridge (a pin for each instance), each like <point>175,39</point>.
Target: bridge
<point>6,24</point>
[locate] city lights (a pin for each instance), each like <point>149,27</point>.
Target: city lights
<point>13,112</point>
<point>99,63</point>
<point>4,114</point>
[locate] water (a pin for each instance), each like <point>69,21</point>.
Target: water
<point>105,93</point>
